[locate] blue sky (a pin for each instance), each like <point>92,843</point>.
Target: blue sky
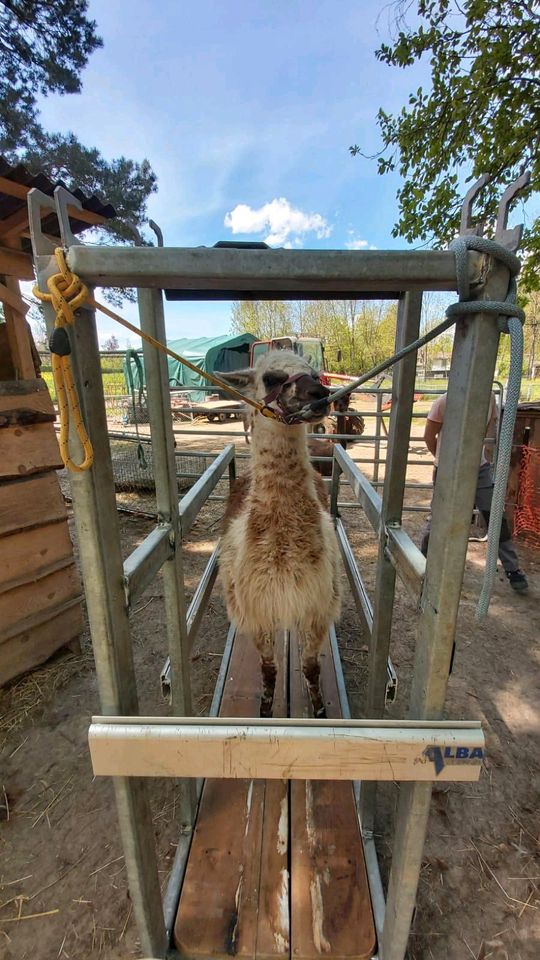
<point>246,111</point>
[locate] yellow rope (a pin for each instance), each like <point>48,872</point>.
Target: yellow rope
<point>66,294</point>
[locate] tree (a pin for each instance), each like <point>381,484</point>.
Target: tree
<point>264,319</point>
<point>44,46</point>
<point>111,343</point>
<point>481,115</point>
<point>363,330</point>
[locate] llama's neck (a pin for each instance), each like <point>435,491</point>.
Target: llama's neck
<point>280,457</point>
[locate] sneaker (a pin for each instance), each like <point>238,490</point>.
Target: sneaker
<point>518,581</point>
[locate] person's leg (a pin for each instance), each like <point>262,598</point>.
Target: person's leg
<point>426,529</point>
<point>507,550</point>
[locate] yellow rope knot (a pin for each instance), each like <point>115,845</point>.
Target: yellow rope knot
<point>66,294</point>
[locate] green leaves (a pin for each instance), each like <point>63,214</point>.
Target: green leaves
<point>481,115</point>
<point>364,330</point>
<point>43,49</point>
<point>44,46</point>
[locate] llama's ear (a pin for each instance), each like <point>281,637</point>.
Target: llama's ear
<point>243,380</point>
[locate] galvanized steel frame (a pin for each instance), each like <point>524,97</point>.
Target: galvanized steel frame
<point>111,585</point>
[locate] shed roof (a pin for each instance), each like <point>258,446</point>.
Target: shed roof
<point>15,183</point>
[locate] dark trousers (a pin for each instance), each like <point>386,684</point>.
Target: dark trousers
<point>482,502</point>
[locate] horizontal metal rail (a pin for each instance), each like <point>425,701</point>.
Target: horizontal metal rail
<point>407,559</point>
<point>194,614</point>
<point>363,603</point>
<point>362,488</point>
<point>143,564</point>
<point>286,749</point>
<point>218,273</point>
<point>359,592</point>
<point>196,497</point>
<point>240,455</point>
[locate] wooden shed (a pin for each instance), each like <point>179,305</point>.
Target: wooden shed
<point>523,490</point>
<point>40,589</point>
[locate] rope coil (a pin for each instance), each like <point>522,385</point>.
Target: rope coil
<point>66,294</point>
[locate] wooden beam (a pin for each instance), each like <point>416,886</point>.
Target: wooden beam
<point>288,750</point>
<point>15,263</point>
<point>10,296</point>
<point>18,332</point>
<point>12,189</point>
<point>13,225</point>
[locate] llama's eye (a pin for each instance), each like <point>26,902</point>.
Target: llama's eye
<point>274,379</point>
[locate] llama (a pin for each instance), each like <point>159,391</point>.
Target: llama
<point>279,552</point>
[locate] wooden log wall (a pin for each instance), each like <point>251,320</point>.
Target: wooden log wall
<point>40,589</point>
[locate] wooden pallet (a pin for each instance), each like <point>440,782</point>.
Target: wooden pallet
<point>275,869</point>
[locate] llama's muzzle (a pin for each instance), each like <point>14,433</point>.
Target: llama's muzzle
<point>308,389</point>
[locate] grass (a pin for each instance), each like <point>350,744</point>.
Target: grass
<point>114,384</point>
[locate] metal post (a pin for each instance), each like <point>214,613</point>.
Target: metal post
<point>408,326</point>
<point>377,451</point>
<point>101,561</point>
<point>474,354</point>
<point>159,408</point>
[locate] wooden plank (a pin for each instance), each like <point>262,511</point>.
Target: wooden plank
<point>29,553</point>
<point>27,395</point>
<point>18,334</point>
<point>15,263</point>
<point>22,388</point>
<point>30,648</point>
<point>219,904</point>
<point>13,225</point>
<point>27,606</point>
<point>27,450</point>
<point>13,189</point>
<point>273,922</point>
<point>282,749</point>
<point>14,299</point>
<point>331,905</point>
<point>23,417</point>
<point>30,502</point>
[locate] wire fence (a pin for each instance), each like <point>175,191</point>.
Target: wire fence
<point>117,399</point>
<point>133,471</point>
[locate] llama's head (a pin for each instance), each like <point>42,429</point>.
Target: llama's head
<point>284,381</point>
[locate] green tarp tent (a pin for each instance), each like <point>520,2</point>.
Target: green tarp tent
<point>208,353</point>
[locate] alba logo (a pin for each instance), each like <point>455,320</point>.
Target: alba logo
<point>440,756</point>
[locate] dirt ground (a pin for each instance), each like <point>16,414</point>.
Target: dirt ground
<point>63,890</point>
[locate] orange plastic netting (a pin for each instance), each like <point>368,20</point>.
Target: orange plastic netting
<point>527,510</point>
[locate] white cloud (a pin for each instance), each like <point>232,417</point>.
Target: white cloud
<point>359,245</point>
<point>283,223</point>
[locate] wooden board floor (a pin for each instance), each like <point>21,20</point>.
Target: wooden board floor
<point>275,868</point>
